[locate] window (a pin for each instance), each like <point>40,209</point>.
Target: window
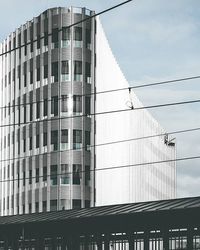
<point>45,38</point>
<point>44,173</point>
<point>64,103</point>
<point>87,105</point>
<point>30,176</point>
<point>65,37</point>
<point>14,42</point>
<point>88,38</point>
<point>54,105</point>
<point>25,50</point>
<point>25,35</point>
<point>77,104</point>
<point>37,141</point>
<point>45,71</point>
<point>25,113</point>
<point>30,207</point>
<point>31,77</point>
<point>53,205</point>
<point>19,40</point>
<point>18,139</point>
<point>24,176</point>
<point>37,175</point>
<point>65,175</point>
<point>87,140</point>
<point>77,70</point>
<point>87,175</point>
<point>54,140</point>
<point>87,203</point>
<point>8,140</point>
<point>44,206</point>
<point>44,139</point>
<point>88,73</point>
<point>13,75</point>
<point>38,42</point>
<point>76,174</point>
<point>30,143</point>
<point>24,142</point>
<point>18,107</point>
<point>77,36</point>
<point>38,110</point>
<point>37,207</point>
<point>45,103</point>
<point>38,74</point>
<point>65,71</point>
<point>54,71</point>
<point>77,139</point>
<point>18,71</point>
<point>31,112</point>
<point>64,139</point>
<point>55,37</point>
<point>76,204</point>
<point>25,68</point>
<point>53,176</point>
<point>19,75</point>
<point>4,141</point>
<point>13,137</point>
<point>31,47</point>
<point>13,106</point>
<point>25,41</point>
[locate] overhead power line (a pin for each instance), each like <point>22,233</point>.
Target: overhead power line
<point>108,168</point>
<point>149,84</point>
<point>107,91</point>
<point>103,113</point>
<point>106,143</point>
<point>69,26</point>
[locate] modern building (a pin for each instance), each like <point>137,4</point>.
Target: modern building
<point>51,72</point>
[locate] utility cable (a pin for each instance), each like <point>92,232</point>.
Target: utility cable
<point>107,168</point>
<point>103,92</point>
<point>105,144</point>
<point>69,26</point>
<point>102,113</point>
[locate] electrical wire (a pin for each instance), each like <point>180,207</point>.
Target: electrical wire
<point>107,168</point>
<point>148,85</point>
<point>106,144</point>
<point>102,113</point>
<point>69,26</point>
<point>106,91</point>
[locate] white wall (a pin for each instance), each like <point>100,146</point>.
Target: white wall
<point>135,183</point>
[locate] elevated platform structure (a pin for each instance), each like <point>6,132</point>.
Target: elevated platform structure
<point>166,224</point>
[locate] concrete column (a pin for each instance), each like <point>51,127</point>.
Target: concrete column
<point>64,244</point>
<point>146,240</point>
<point>165,239</point>
<point>99,244</point>
<point>75,243</point>
<point>54,242</point>
<point>190,238</point>
<point>131,242</point>
<point>106,242</point>
<point>99,241</point>
<point>40,242</point>
<point>86,242</point>
<point>15,243</point>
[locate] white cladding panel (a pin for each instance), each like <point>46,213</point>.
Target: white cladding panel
<point>131,183</point>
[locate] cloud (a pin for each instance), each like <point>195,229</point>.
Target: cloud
<point>188,186</point>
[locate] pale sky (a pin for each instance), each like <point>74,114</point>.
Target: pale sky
<point>152,40</point>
